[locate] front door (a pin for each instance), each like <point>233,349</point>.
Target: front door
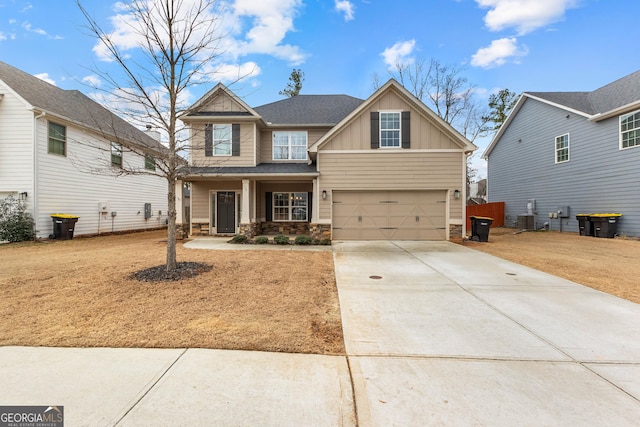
<point>226,212</point>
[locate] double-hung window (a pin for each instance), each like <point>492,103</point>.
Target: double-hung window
<point>630,130</point>
<point>217,140</point>
<point>390,129</point>
<point>290,145</point>
<point>116,155</point>
<point>562,148</point>
<point>57,139</point>
<point>149,162</point>
<point>290,207</point>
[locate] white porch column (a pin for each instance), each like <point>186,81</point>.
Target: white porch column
<point>246,200</point>
<point>179,201</point>
<point>315,207</point>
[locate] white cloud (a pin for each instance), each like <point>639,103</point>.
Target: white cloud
<point>498,52</point>
<point>270,21</point>
<point>45,77</point>
<point>2,37</point>
<point>92,80</point>
<point>27,26</point>
<point>399,53</point>
<point>524,15</point>
<point>345,7</point>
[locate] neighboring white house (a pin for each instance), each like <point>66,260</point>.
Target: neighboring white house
<point>61,152</point>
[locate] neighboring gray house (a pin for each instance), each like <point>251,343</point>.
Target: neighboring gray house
<point>575,149</point>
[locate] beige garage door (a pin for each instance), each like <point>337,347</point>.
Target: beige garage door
<point>389,215</point>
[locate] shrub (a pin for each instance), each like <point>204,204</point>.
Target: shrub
<point>239,238</point>
<point>262,240</point>
<point>303,240</point>
<point>16,224</point>
<point>281,239</point>
<point>325,242</point>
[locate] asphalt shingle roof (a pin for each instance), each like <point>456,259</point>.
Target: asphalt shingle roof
<point>609,97</point>
<point>72,105</point>
<point>309,109</point>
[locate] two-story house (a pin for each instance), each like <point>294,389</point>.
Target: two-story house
<point>559,154</point>
<point>61,152</point>
<point>329,166</point>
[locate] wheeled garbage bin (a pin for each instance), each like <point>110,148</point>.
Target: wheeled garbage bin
<point>605,225</point>
<point>63,226</point>
<point>584,224</point>
<point>480,228</point>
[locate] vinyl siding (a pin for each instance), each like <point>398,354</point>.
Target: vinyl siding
<point>425,132</point>
<point>391,170</point>
<point>599,177</point>
<point>71,185</point>
<point>200,196</point>
<point>246,157</point>
<point>16,145</point>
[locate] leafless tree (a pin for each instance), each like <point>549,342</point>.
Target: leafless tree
<point>445,90</point>
<point>177,41</point>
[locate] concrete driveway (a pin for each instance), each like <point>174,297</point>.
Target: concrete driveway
<point>439,334</point>
<point>436,334</point>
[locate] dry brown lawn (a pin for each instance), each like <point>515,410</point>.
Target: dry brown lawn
<point>79,293</point>
<point>609,265</point>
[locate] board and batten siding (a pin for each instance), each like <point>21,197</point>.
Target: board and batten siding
<point>199,159</point>
<point>67,185</point>
<point>599,177</point>
<point>16,145</point>
<point>425,133</point>
<point>391,170</point>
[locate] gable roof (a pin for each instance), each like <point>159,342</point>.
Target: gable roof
<point>309,110</point>
<point>607,101</point>
<point>194,110</point>
<point>392,84</point>
<point>72,106</point>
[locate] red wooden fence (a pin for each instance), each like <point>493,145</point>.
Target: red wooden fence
<point>492,210</point>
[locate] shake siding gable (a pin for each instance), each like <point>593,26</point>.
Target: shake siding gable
<point>599,177</point>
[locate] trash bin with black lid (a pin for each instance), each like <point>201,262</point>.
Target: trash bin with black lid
<point>63,226</point>
<point>584,224</point>
<point>480,228</point>
<point>605,224</point>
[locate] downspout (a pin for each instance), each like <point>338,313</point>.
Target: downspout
<point>35,169</point>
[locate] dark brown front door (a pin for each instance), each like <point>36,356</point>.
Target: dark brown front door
<point>226,210</point>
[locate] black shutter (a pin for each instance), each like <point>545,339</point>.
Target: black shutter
<point>309,205</point>
<point>208,140</point>
<point>375,129</point>
<point>235,140</point>
<point>269,206</point>
<point>406,129</point>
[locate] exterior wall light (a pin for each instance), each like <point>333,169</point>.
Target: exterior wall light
<point>456,194</point>
<point>324,194</point>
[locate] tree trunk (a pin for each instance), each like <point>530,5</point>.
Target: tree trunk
<point>172,262</point>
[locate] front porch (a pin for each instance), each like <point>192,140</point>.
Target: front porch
<point>263,205</point>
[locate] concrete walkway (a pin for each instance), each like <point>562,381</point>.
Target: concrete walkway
<point>436,334</point>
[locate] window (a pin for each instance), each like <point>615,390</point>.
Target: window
<point>562,148</point>
<point>57,139</point>
<point>290,206</point>
<point>390,129</point>
<point>289,145</point>
<point>149,162</point>
<point>116,154</point>
<point>630,130</point>
<point>221,140</point>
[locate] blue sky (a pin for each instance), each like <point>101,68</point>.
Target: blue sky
<point>523,45</point>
